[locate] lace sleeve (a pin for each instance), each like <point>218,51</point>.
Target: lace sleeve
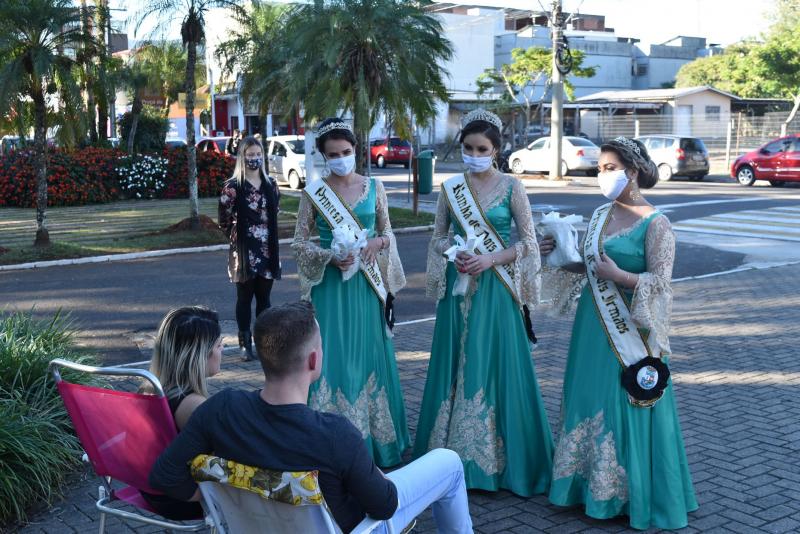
<point>436,284</point>
<point>388,259</point>
<point>311,258</point>
<point>652,299</point>
<point>527,264</point>
<point>561,288</point>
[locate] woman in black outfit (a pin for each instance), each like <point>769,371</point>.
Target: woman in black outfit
<point>187,350</point>
<point>248,214</point>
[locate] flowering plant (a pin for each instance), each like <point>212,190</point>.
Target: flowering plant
<point>142,176</point>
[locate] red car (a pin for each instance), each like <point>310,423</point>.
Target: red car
<point>391,150</point>
<point>777,162</point>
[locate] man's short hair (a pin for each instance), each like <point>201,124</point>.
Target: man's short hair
<point>281,336</point>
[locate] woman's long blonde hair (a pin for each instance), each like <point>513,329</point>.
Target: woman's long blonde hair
<point>182,348</point>
<point>241,166</point>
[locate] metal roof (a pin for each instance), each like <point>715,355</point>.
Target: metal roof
<point>661,95</point>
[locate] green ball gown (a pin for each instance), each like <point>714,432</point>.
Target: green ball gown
<point>481,397</point>
<point>612,457</point>
<point>359,372</point>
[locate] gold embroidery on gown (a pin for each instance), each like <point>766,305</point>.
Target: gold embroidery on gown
<point>369,413</point>
<point>582,453</point>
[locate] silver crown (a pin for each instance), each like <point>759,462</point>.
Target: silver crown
<point>481,114</point>
<point>628,143</point>
<point>334,126</point>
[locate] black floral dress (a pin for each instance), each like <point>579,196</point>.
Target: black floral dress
<point>253,216</point>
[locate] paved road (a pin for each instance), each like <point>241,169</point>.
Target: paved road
<point>112,302</point>
<point>736,375</point>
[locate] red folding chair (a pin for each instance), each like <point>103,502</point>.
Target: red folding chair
<point>123,434</point>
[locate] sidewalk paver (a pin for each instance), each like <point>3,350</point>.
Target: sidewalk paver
<point>737,383</point>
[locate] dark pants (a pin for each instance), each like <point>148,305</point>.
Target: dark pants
<point>257,287</point>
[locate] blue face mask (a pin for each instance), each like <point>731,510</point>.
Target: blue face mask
<point>342,166</point>
<point>477,163</point>
<point>254,163</point>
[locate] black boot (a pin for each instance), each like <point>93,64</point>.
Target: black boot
<point>246,346</point>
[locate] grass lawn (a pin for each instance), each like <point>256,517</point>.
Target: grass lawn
<point>123,227</point>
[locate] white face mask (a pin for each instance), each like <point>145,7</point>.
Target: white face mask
<point>342,166</point>
<point>477,164</point>
<point>612,183</point>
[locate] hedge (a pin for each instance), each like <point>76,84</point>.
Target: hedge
<point>95,175</point>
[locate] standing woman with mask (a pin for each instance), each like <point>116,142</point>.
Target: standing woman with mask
<point>359,371</point>
<point>481,396</point>
<point>248,214</point>
<point>620,450</point>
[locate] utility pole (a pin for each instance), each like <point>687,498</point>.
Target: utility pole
<point>557,88</point>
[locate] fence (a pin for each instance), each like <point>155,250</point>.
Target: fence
<point>726,136</point>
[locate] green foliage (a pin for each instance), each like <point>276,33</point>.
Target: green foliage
<point>366,56</point>
<point>740,70</point>
<point>150,133</point>
<point>769,68</point>
<point>37,447</point>
<point>528,67</point>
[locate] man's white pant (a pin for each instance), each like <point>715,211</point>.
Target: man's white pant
<point>437,480</point>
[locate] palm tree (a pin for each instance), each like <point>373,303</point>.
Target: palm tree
<point>137,77</point>
<point>167,62</point>
<point>104,86</point>
<point>364,56</point>
<point>35,39</point>
<point>193,14</point>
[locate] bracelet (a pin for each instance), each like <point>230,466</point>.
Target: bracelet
<point>494,261</point>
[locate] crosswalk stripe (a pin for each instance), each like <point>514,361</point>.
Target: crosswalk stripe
<point>773,223</point>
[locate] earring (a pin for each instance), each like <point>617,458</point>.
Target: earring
<point>634,193</point>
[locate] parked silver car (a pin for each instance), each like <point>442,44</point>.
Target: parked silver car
<point>677,155</point>
<point>287,159</point>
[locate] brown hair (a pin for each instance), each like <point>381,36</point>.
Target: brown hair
<point>281,334</point>
<point>638,160</point>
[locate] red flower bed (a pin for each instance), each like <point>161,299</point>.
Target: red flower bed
<point>89,175</point>
<point>73,177</point>
<point>212,171</point>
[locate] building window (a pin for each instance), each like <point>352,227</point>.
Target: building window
<point>712,113</point>
<point>641,69</point>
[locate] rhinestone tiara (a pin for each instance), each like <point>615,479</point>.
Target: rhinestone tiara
<point>334,126</point>
<point>628,143</point>
<point>481,114</point>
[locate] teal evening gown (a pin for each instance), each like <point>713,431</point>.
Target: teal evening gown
<point>613,457</point>
<point>359,372</point>
<point>481,397</point>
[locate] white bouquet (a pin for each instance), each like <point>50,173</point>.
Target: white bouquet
<point>346,241</point>
<point>468,246</point>
<point>566,236</point>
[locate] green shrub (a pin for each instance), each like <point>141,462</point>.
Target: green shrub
<point>37,445</point>
<point>151,132</point>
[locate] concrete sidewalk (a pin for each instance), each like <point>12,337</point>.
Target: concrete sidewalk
<point>737,383</point>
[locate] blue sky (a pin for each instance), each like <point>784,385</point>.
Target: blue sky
<point>652,21</point>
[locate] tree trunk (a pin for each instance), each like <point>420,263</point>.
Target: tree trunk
<point>360,136</point>
<point>790,118</point>
<point>136,111</point>
<point>102,79</point>
<point>88,86</point>
<point>191,159</point>
<point>40,157</point>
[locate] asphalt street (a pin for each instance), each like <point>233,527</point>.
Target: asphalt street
<point>111,302</point>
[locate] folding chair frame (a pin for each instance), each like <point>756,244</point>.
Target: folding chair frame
<point>106,492</point>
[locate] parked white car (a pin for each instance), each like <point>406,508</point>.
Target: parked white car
<point>286,159</point>
<point>577,154</point>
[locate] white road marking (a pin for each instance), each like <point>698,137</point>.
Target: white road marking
<point>781,224</point>
<point>663,207</point>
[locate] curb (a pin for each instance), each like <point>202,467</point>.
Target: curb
<point>158,253</point>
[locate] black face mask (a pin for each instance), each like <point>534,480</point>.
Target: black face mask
<point>254,163</point>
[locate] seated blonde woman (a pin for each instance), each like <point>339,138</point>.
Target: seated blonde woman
<point>187,350</point>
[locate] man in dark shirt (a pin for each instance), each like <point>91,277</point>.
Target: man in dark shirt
<point>274,428</point>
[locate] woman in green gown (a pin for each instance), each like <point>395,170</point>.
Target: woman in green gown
<point>359,371</point>
<point>481,396</point>
<point>613,457</point>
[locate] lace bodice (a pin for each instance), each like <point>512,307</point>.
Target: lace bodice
<point>505,201</point>
<point>646,248</point>
<point>312,258</point>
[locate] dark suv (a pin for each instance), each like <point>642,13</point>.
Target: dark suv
<point>677,155</point>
